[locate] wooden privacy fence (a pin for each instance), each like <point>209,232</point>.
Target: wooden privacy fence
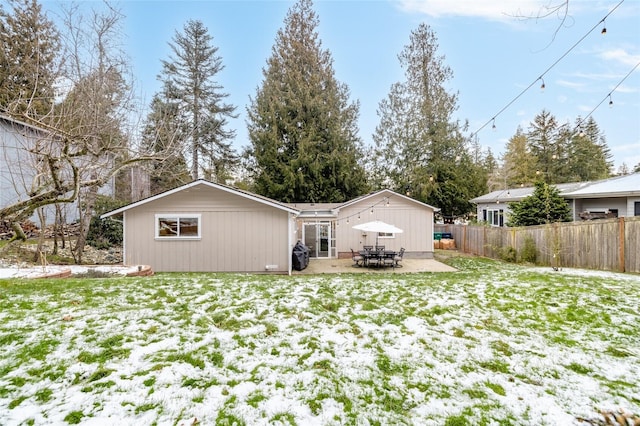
<point>608,244</point>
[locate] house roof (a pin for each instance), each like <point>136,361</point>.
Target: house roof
<point>332,209</point>
<point>225,188</point>
<point>619,186</point>
<point>388,193</point>
<point>10,120</point>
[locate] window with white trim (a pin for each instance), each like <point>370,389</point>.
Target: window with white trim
<point>178,226</point>
<point>495,217</point>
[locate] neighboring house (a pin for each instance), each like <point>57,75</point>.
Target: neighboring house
<point>18,166</point>
<point>208,227</point>
<point>615,197</point>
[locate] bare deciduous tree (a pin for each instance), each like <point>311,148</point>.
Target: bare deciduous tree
<point>76,148</point>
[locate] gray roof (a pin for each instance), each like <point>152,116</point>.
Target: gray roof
<point>619,186</point>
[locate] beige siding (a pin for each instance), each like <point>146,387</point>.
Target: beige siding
<point>237,234</point>
<point>414,219</point>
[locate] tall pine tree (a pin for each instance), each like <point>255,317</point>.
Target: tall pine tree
<point>589,157</point>
<point>189,82</point>
<point>29,45</point>
<point>161,137</point>
<point>518,162</point>
<point>419,146</point>
<point>302,127</point>
<point>544,145</point>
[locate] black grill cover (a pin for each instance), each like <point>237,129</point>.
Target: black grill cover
<point>300,256</point>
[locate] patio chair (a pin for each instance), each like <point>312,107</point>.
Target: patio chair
<point>389,260</point>
<point>398,257</point>
<point>379,248</point>
<point>359,260</point>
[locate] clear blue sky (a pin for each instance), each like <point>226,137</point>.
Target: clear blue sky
<point>494,53</point>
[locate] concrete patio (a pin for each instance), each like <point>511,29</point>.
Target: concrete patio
<point>339,266</point>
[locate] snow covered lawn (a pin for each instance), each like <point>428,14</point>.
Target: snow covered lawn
<point>490,344</point>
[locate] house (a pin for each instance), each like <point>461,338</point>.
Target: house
<point>615,197</point>
<point>208,227</point>
<point>327,229</point>
<point>19,166</point>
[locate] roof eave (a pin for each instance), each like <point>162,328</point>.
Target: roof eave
<point>192,184</point>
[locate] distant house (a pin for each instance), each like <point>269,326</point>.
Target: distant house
<point>615,197</point>
<point>18,165</point>
<point>208,227</point>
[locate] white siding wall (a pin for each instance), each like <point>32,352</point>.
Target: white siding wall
<point>18,167</point>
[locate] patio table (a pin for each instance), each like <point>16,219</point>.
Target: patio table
<point>376,256</point>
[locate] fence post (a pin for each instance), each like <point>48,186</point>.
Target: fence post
<point>484,241</point>
<point>621,243</point>
<point>464,238</point>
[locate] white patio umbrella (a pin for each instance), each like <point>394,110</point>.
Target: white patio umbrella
<point>378,226</point>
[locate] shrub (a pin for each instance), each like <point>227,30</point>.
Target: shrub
<point>528,253</point>
<point>108,232</point>
<point>508,254</point>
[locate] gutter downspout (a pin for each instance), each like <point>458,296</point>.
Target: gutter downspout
<point>291,227</point>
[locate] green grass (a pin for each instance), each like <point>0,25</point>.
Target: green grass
<point>494,343</point>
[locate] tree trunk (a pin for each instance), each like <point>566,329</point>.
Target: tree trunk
<point>38,255</point>
<point>86,213</point>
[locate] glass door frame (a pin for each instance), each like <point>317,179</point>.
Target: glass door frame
<point>320,231</point>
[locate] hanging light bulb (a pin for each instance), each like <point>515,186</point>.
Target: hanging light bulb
<point>371,210</point>
<point>604,29</point>
<point>347,220</point>
<point>431,178</point>
<point>610,102</point>
<point>542,86</point>
<point>493,126</point>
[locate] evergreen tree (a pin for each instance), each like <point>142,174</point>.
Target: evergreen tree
<point>29,45</point>
<point>422,147</point>
<point>188,77</point>
<point>545,205</point>
<point>519,163</point>
<point>543,143</point>
<point>589,157</point>
<point>161,137</point>
<point>302,128</point>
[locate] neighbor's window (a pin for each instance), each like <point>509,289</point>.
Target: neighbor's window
<point>495,217</point>
<point>178,226</point>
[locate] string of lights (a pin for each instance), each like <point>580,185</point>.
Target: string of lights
<point>608,95</point>
<point>492,120</point>
<point>384,200</point>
